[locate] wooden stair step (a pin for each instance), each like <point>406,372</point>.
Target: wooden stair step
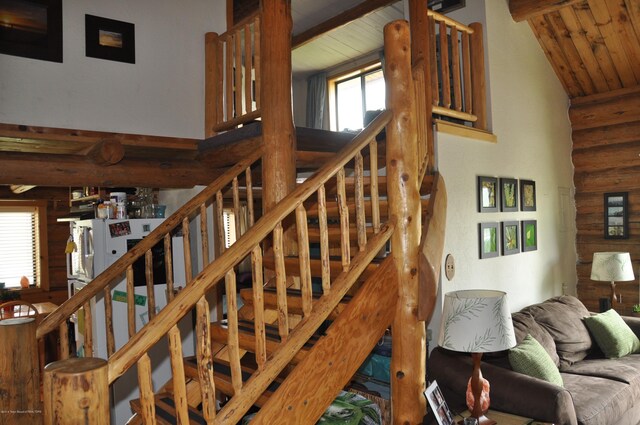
<point>294,300</point>
<point>166,411</point>
<point>292,266</point>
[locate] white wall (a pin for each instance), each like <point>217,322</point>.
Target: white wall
<point>161,94</point>
<point>529,116</point>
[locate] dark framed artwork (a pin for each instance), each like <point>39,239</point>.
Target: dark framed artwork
<point>529,235</point>
<point>488,194</point>
<point>489,240</point>
<point>510,237</point>
<point>508,195</point>
<point>616,215</point>
<point>31,29</point>
<point>110,39</point>
<point>527,195</point>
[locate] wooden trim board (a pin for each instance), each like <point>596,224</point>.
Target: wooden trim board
<point>464,131</point>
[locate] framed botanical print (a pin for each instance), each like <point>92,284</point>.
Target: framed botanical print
<point>510,237</point>
<point>489,240</point>
<point>527,195</point>
<point>529,235</point>
<point>616,215</point>
<point>488,190</point>
<point>508,195</point>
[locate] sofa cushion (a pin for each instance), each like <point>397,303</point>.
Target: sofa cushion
<point>524,324</point>
<point>562,318</point>
<point>625,370</point>
<point>614,337</point>
<point>530,358</point>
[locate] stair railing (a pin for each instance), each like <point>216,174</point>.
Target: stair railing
<point>236,179</point>
<point>232,76</point>
<point>271,226</point>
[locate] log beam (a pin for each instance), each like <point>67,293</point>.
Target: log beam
<point>69,170</point>
<point>106,152</point>
<point>522,10</point>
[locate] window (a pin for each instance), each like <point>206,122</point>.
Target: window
<point>23,243</point>
<point>355,94</point>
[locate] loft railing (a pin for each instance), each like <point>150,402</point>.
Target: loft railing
<point>232,76</point>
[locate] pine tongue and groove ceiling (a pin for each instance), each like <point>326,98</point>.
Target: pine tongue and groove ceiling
<point>593,45</point>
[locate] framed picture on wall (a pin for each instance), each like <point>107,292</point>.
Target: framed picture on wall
<point>510,237</point>
<point>489,240</point>
<point>508,195</point>
<point>529,235</point>
<point>488,194</point>
<point>110,39</point>
<point>31,29</point>
<point>616,215</point>
<point>527,195</point>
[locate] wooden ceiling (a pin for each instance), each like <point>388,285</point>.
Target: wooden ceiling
<point>593,45</point>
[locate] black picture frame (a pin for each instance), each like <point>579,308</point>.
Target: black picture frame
<point>510,237</point>
<point>489,240</point>
<point>508,195</point>
<point>31,29</point>
<point>488,194</point>
<point>110,39</point>
<point>616,215</point>
<point>529,239</point>
<point>528,195</point>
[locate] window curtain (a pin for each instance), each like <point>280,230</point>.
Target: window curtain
<point>316,100</point>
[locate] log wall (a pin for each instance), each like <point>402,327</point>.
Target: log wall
<point>606,156</point>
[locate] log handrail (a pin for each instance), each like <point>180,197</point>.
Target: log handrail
<point>184,301</point>
<point>64,311</point>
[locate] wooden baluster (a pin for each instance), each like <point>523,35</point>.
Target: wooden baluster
<point>258,306</point>
<point>168,264</point>
<point>220,248</point>
<point>256,60</point>
<point>422,116</point>
<point>444,65</point>
<point>374,191</point>
<point>237,84</point>
<point>204,235</point>
<point>229,83</point>
<point>303,257</point>
<point>211,96</point>
<point>433,63</point>
<point>148,273</point>
<point>186,242</point>
<point>477,77</point>
<point>324,240</point>
<point>148,406</point>
<point>63,330</point>
<point>344,220</point>
<point>455,65</point>
<point>178,376</point>
<point>466,71</point>
<point>131,306</point>
<point>220,81</point>
<point>205,360</point>
<point>88,329</point>
<point>281,283</point>
<point>361,223</point>
<point>108,313</point>
<point>249,186</point>
<point>237,211</point>
<point>248,66</point>
<point>232,320</point>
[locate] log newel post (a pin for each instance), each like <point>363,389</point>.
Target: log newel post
<point>478,77</point>
<point>76,391</point>
<point>19,373</point>
<point>409,334</point>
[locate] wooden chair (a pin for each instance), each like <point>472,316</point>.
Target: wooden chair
<point>8,310</point>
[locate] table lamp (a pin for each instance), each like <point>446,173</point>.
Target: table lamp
<point>612,267</point>
<point>477,321</point>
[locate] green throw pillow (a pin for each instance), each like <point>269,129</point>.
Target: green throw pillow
<point>530,358</point>
<point>614,337</point>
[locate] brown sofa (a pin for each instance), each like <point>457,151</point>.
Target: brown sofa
<point>597,391</point>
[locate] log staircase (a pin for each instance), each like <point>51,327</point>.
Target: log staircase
<point>331,264</point>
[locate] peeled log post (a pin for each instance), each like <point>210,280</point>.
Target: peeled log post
<point>106,152</point>
<point>409,334</point>
<point>76,391</point>
<point>19,372</point>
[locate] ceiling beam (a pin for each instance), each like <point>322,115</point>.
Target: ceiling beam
<point>362,9</point>
<point>18,168</point>
<point>522,10</point>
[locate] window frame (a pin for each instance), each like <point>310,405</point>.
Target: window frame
<point>41,242</point>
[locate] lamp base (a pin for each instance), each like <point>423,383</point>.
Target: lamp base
<point>483,420</point>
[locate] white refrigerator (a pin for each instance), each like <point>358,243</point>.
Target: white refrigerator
<point>99,244</point>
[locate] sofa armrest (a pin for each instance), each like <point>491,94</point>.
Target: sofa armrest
<point>511,391</point>
<point>634,324</point>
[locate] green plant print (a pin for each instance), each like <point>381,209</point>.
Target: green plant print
<point>530,234</point>
<point>511,237</point>
<point>490,240</point>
